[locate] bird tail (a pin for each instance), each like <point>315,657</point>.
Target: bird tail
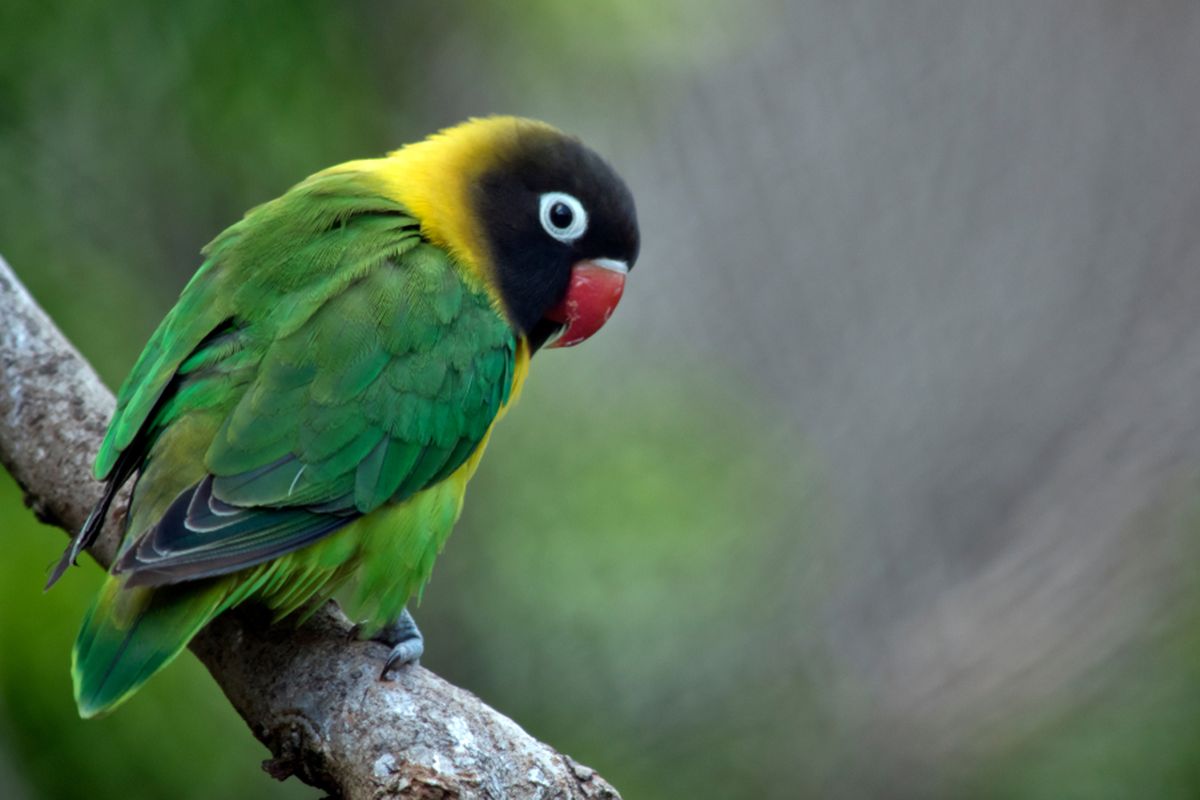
<point>131,633</point>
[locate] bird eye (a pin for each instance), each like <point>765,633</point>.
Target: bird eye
<point>563,216</point>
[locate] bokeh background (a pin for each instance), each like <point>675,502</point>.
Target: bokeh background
<point>881,483</point>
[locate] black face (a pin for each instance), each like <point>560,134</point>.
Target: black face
<point>548,204</point>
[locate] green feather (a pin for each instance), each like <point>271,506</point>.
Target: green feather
<point>331,370</point>
<point>128,635</point>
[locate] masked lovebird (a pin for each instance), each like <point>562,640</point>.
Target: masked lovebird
<point>310,411</point>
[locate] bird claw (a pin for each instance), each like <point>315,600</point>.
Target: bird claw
<point>405,639</point>
<point>402,654</point>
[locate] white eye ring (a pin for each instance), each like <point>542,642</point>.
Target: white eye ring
<point>575,226</point>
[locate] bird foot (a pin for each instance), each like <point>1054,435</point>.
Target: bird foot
<point>406,641</point>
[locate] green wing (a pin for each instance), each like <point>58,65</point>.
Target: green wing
<point>386,389</point>
<point>348,365</point>
<point>271,270</point>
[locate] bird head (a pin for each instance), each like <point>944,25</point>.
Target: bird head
<point>541,220</point>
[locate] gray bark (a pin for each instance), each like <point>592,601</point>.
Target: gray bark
<point>311,695</point>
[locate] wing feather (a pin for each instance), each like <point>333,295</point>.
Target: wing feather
<point>345,362</point>
<point>343,415</point>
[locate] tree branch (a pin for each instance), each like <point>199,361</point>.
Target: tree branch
<point>311,694</point>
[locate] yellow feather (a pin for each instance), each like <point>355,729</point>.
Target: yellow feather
<point>433,179</point>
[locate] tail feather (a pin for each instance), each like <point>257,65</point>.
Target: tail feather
<point>130,634</point>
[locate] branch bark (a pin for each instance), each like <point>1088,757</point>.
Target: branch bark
<point>311,695</point>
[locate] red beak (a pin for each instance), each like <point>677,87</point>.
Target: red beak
<point>592,295</point>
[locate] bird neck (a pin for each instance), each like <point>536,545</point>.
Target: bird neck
<point>435,179</point>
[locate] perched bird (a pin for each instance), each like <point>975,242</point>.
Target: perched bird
<point>310,411</point>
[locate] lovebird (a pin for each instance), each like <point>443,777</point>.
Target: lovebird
<point>308,414</point>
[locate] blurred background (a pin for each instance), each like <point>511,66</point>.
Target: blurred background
<point>883,481</point>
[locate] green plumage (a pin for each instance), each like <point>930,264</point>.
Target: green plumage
<point>299,417</point>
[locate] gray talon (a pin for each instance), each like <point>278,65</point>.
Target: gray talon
<point>406,641</point>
